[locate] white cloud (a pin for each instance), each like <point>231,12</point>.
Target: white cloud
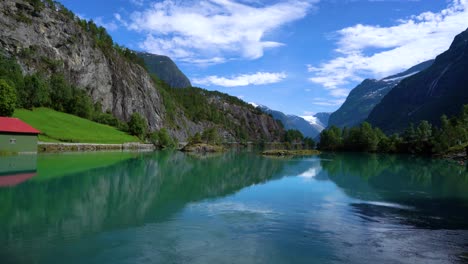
<point>109,26</point>
<point>258,78</point>
<point>214,31</point>
<point>407,43</point>
<point>328,102</point>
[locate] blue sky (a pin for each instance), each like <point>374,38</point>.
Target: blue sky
<point>300,57</point>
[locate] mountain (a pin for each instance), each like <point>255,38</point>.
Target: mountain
<point>440,89</point>
<point>308,129</point>
<point>46,38</point>
<point>323,118</point>
<point>165,69</point>
<point>362,99</point>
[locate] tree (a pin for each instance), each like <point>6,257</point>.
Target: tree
<point>7,99</point>
<point>211,135</point>
<point>137,125</point>
<point>81,104</point>
<point>10,72</point>
<point>162,139</point>
<point>424,131</point>
<point>330,139</point>
<point>36,91</point>
<point>60,92</point>
<point>409,135</point>
<point>195,139</point>
<point>293,135</point>
<point>368,138</point>
<point>309,143</point>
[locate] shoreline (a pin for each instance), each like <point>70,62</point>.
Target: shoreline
<point>46,147</point>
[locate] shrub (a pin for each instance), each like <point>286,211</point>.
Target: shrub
<point>7,99</point>
<point>137,125</point>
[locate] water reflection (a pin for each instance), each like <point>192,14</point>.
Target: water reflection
<point>417,191</point>
<point>168,207</point>
<point>17,169</point>
<point>137,189</point>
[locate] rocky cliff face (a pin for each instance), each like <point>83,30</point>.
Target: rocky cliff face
<point>439,90</point>
<point>362,99</point>
<point>257,125</point>
<point>51,39</point>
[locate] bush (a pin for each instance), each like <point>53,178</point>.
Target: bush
<point>162,139</point>
<point>195,139</point>
<point>137,125</point>
<point>81,104</point>
<point>60,92</point>
<point>36,92</point>
<point>211,136</point>
<point>7,99</point>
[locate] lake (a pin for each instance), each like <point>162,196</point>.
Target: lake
<point>237,207</point>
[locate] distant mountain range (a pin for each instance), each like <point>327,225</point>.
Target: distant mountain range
<point>165,69</point>
<point>440,89</point>
<point>362,99</point>
<point>309,126</point>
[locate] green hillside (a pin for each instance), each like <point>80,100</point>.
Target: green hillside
<point>54,166</point>
<point>57,126</point>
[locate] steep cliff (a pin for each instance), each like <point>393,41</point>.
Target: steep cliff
<point>45,37</point>
<point>362,99</point>
<point>439,90</point>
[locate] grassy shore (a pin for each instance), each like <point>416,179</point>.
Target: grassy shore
<point>61,127</point>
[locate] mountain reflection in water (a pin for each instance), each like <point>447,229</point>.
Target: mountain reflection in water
<point>236,207</point>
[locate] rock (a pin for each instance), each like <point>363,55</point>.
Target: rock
<point>52,40</point>
<point>121,87</point>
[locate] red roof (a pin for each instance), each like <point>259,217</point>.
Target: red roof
<point>14,125</point>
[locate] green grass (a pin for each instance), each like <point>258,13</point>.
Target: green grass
<point>60,127</point>
<point>51,166</point>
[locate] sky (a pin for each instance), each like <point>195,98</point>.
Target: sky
<point>296,56</point>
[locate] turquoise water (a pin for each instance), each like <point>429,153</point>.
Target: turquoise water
<point>169,207</point>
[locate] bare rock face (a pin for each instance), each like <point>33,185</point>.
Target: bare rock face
<point>258,125</point>
<point>51,38</point>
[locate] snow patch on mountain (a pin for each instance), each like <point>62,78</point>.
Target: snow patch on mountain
<point>313,120</point>
<point>398,79</point>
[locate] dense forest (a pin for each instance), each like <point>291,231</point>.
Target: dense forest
<point>452,135</point>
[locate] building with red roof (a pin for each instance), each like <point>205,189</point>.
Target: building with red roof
<point>17,136</point>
